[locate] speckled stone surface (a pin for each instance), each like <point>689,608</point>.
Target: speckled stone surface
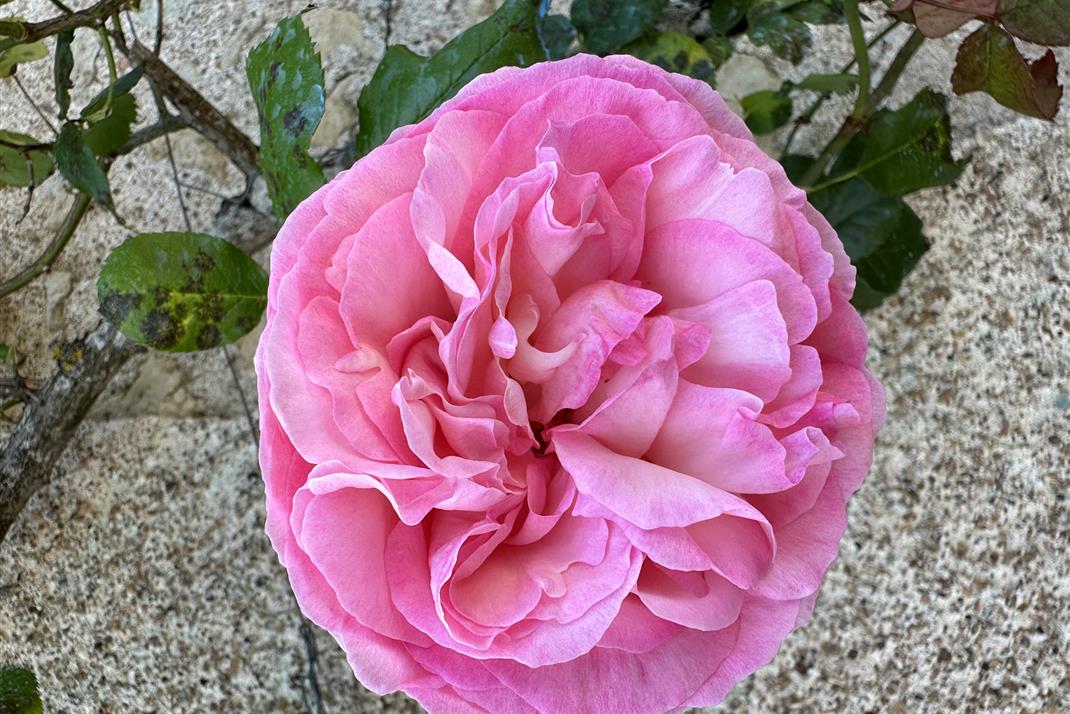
<point>140,579</point>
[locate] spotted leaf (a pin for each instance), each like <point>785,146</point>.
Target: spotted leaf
<point>286,78</point>
<point>181,292</point>
<point>676,53</point>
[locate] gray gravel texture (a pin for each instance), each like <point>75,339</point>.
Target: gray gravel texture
<point>140,579</point>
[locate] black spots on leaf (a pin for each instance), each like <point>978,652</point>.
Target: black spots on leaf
<point>936,141</point>
<point>675,52</point>
<point>203,261</point>
<point>180,310</point>
<point>160,296</point>
<point>703,69</point>
<point>209,308</point>
<point>286,77</point>
<point>181,292</point>
<point>116,306</point>
<point>681,63</point>
<point>295,121</point>
<point>200,267</point>
<point>160,329</point>
<point>209,337</point>
<point>245,323</point>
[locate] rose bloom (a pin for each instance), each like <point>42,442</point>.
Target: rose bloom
<point>562,398</point>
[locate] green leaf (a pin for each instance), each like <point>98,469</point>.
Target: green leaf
<point>5,352</point>
<point>407,87</point>
<point>12,27</point>
<point>837,83</point>
<point>881,235</point>
<point>796,166</point>
<point>287,81</point>
<point>818,12</point>
<point>989,61</point>
<point>719,48</point>
<point>75,160</point>
<point>557,35</point>
<point>393,97</point>
<point>20,54</point>
<point>1044,22</point>
<point>108,135</point>
<point>766,111</point>
<point>18,692</point>
<point>903,150</point>
<point>181,292</point>
<point>19,155</point>
<point>94,111</point>
<point>608,25</point>
<point>675,52</point>
<point>61,71</point>
<point>13,138</point>
<point>726,15</point>
<point>787,36</point>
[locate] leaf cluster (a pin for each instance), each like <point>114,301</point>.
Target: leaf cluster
<point>859,186</point>
<point>83,145</point>
<point>989,60</point>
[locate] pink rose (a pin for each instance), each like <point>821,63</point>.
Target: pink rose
<point>562,398</point>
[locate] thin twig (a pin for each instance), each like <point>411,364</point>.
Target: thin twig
<point>161,107</point>
<point>178,184</point>
<point>62,8</point>
<point>44,263</point>
<point>199,112</point>
<point>250,420</point>
<point>113,74</point>
<point>159,29</point>
<point>807,115</point>
<point>205,191</point>
<point>852,125</point>
<point>858,40</point>
<point>33,104</point>
<point>167,124</point>
<point>90,17</point>
<point>312,655</point>
<point>388,10</point>
<point>895,69</point>
<point>130,21</point>
<point>253,433</point>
